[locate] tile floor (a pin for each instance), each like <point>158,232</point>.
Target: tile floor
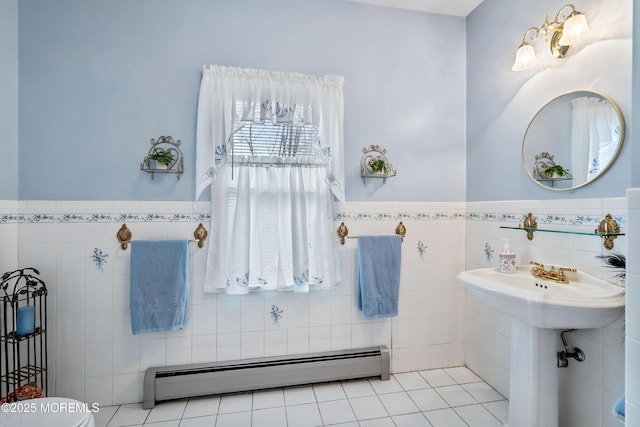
<point>448,397</point>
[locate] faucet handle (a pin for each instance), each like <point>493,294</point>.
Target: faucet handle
<point>561,271</point>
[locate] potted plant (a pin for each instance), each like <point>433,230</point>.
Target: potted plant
<point>556,171</point>
<point>160,158</point>
<point>378,165</point>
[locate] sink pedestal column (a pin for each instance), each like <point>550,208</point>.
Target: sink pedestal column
<point>534,377</point>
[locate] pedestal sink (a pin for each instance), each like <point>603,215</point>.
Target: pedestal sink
<point>539,309</point>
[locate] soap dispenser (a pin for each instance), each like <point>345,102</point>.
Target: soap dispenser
<point>507,258</point>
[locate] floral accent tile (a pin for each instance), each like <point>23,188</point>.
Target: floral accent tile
<point>276,314</point>
<point>488,252</point>
<point>99,258</point>
<point>421,248</point>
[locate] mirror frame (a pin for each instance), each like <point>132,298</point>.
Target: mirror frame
<point>606,168</point>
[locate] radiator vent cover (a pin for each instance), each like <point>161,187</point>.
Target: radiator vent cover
<point>202,379</point>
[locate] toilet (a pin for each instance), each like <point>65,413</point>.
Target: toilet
<point>47,412</point>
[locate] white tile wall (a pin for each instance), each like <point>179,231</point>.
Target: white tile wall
<point>94,357</point>
<point>589,389</point>
<point>633,314</point>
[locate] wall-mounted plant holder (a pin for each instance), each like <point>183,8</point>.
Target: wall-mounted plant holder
<point>545,169</point>
<point>374,164</point>
<point>164,156</point>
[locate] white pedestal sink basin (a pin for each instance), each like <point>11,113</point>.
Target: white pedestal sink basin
<point>539,309</point>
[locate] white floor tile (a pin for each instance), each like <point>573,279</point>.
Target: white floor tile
<point>499,409</point>
<point>268,399</point>
<point>462,375</point>
<point>235,403</point>
<point>351,424</point>
<point>482,392</point>
<point>170,423</point>
<point>427,400</point>
<point>336,411</point>
<point>368,407</point>
<point>387,386</point>
<point>448,397</point>
<point>411,420</point>
<point>329,391</point>
<point>128,415</point>
<point>444,418</point>
<point>378,422</point>
<point>208,421</point>
<point>357,388</point>
<point>477,416</point>
<point>236,419</point>
<point>270,417</point>
<point>104,415</point>
<point>307,415</point>
<point>299,395</point>
<point>437,378</point>
<point>411,381</point>
<point>455,395</point>
<point>167,411</point>
<point>398,403</point>
<point>202,407</point>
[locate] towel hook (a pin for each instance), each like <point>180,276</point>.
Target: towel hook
<point>343,232</point>
<point>201,235</point>
<point>124,237</point>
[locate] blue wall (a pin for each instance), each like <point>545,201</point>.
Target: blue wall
<point>98,79</point>
<point>9,98</point>
<point>501,102</point>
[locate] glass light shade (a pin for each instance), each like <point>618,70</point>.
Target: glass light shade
<point>525,58</point>
<point>574,30</point>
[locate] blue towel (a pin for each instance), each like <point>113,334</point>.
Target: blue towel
<point>378,265</point>
<point>618,408</point>
<point>159,296</point>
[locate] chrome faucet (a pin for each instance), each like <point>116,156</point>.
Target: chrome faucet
<point>553,274</point>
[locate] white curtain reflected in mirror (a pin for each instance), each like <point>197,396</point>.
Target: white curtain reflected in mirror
<point>572,140</point>
<point>595,122</point>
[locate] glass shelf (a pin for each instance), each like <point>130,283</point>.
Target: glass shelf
<point>608,229</point>
<point>583,233</point>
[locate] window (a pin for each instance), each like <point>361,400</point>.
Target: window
<point>272,152</point>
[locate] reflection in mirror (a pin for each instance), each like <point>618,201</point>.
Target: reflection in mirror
<point>572,140</point>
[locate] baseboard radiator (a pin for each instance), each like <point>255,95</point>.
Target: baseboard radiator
<point>203,379</point>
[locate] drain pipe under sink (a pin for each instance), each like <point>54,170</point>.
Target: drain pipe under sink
<point>564,355</point>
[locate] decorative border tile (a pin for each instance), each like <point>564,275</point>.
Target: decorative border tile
<point>386,216</point>
<point>542,218</point>
<point>516,218</point>
<point>65,218</point>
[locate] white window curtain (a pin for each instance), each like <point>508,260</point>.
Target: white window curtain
<point>594,135</point>
<point>271,218</point>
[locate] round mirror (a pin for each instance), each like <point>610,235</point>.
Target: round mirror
<point>573,140</point>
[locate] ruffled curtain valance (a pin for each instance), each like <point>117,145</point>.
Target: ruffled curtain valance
<point>230,97</point>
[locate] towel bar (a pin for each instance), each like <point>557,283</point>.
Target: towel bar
<point>343,232</point>
<point>124,236</point>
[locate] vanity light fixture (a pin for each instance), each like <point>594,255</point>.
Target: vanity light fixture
<point>568,27</point>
